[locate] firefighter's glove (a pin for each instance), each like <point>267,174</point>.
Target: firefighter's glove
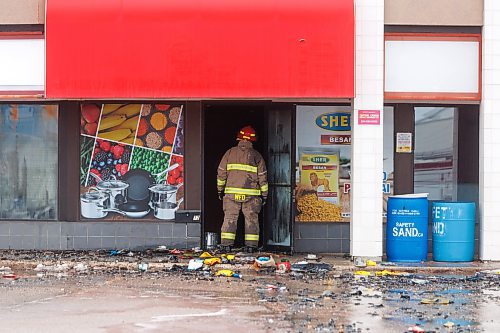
<point>264,200</point>
<point>220,195</point>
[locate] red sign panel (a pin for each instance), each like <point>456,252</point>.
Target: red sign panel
<point>200,49</point>
<point>369,117</point>
<point>330,139</point>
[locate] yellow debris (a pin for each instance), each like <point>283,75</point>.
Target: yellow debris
<point>371,263</point>
<point>224,272</point>
<point>212,261</point>
<point>362,273</point>
<point>205,255</point>
<point>386,272</point>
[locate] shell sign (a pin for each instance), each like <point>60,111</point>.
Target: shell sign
<point>338,121</point>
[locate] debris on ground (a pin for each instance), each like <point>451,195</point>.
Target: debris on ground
<point>310,293</point>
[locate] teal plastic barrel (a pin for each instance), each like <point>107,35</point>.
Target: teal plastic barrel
<point>407,228</point>
<point>453,231</point>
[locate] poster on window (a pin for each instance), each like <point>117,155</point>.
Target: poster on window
<point>323,165</point>
<point>28,163</point>
<point>131,161</point>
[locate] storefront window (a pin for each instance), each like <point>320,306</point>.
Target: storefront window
<point>28,167</point>
<point>434,163</point>
<point>323,165</point>
<point>132,158</point>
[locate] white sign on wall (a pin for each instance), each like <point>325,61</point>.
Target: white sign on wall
<point>432,66</point>
<point>22,64</point>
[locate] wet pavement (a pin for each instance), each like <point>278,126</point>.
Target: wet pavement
<point>154,292</point>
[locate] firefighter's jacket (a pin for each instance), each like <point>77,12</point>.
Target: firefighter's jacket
<point>242,172</point>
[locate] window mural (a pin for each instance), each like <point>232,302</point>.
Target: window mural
<point>28,163</point>
<point>132,161</point>
<point>323,164</point>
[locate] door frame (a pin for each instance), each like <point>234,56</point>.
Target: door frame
<point>291,108</point>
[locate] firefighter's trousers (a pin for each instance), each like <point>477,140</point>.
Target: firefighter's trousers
<point>251,209</point>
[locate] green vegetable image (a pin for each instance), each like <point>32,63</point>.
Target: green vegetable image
<point>153,161</point>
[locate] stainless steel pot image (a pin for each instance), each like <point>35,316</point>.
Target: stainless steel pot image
<point>117,190</point>
<point>161,194</point>
<point>93,204</point>
<point>166,210</point>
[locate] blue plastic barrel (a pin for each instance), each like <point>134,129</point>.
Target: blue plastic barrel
<point>407,228</point>
<point>453,225</point>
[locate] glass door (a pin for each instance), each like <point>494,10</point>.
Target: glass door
<point>278,211</point>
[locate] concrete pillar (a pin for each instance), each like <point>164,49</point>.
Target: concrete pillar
<point>489,136</point>
<point>367,147</point>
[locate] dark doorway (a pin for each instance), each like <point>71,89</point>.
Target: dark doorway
<point>221,125</point>
<point>273,124</point>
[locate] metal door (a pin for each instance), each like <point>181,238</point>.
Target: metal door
<point>278,233</point>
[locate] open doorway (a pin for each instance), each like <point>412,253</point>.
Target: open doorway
<point>221,125</point>
<point>273,124</point>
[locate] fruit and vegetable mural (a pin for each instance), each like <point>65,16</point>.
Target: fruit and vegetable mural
<point>131,161</point>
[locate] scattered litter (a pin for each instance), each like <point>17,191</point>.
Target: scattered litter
<point>312,257</point>
<point>205,255</point>
<point>81,267</point>
<point>228,257</point>
<point>283,267</point>
<point>227,273</point>
<point>359,262</point>
<point>449,324</point>
<point>492,271</point>
<point>415,329</point>
<point>264,263</point>
<point>10,276</point>
<point>195,264</point>
<point>362,273</point>
<point>55,268</point>
<point>309,267</point>
<point>143,267</point>
<point>212,261</point>
<point>419,281</point>
<point>371,263</point>
<point>115,252</point>
<point>388,263</point>
<point>438,300</point>
<point>5,269</point>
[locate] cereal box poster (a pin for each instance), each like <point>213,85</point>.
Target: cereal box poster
<point>131,161</point>
<point>323,164</point>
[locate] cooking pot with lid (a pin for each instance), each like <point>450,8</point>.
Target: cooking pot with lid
<point>162,193</point>
<point>93,204</point>
<point>116,189</point>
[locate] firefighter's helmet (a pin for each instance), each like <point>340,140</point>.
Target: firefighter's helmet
<point>247,133</point>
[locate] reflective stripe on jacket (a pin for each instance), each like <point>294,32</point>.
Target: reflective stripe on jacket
<point>242,170</point>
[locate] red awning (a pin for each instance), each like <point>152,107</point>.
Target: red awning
<point>200,49</point>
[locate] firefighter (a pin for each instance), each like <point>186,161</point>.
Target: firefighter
<point>242,186</point>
